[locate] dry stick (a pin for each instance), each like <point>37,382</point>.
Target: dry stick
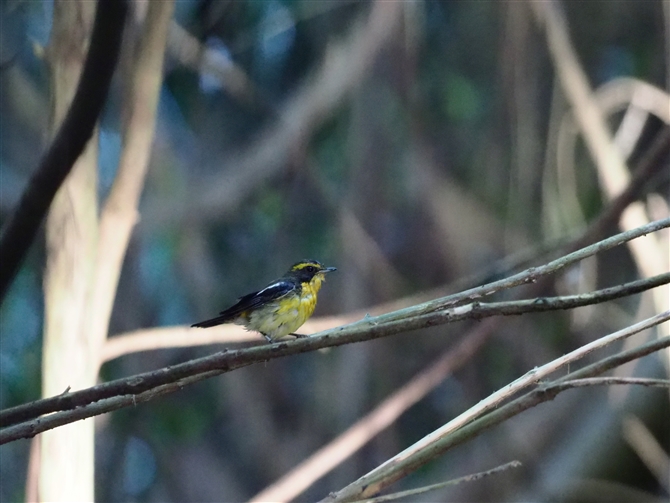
<point>442,485</point>
<point>470,423</point>
<point>230,360</point>
<point>74,133</point>
<point>608,381</point>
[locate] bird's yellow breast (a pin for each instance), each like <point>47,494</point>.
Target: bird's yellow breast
<point>285,315</point>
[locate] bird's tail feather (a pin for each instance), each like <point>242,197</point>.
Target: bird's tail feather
<point>213,322</point>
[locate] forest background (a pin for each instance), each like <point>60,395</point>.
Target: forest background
<point>421,148</point>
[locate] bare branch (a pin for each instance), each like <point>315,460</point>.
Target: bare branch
<point>608,381</point>
<point>441,485</point>
<point>528,276</point>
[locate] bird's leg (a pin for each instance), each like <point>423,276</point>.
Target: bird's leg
<point>267,338</point>
<point>298,336</point>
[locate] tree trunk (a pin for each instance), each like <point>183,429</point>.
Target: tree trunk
<point>67,460</point>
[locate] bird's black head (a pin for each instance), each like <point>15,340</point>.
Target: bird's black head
<point>305,270</point>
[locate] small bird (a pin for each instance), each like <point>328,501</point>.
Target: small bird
<point>281,307</point>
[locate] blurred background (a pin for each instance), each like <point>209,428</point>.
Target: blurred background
<point>412,145</point>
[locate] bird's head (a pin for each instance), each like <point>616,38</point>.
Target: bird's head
<point>309,270</point>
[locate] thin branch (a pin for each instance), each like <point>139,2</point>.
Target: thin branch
<point>74,133</point>
<point>442,485</point>
<point>366,329</point>
<point>164,337</point>
<point>608,381</point>
<point>411,459</point>
<point>516,307</point>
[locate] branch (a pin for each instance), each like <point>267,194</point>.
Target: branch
<point>70,140</point>
<point>442,485</point>
<point>149,339</point>
<point>607,381</point>
<point>366,329</point>
<point>435,444</point>
<point>516,307</point>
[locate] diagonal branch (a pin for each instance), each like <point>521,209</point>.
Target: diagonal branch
<point>225,361</point>
<point>68,144</point>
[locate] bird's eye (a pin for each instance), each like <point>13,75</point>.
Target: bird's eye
<point>310,269</point>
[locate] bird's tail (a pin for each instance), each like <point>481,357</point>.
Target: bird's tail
<point>213,322</point>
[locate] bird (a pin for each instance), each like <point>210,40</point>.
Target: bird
<point>281,307</point>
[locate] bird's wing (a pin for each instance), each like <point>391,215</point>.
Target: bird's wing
<point>253,300</point>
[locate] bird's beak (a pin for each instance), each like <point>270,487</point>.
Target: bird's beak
<point>329,269</point>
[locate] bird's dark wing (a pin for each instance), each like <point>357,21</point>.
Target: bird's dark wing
<point>256,299</point>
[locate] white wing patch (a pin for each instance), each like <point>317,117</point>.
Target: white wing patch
<point>279,288</point>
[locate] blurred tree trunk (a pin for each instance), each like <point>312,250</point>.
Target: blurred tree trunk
<point>67,460</point>
<point>84,253</point>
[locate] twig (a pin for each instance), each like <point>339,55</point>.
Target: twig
<point>441,485</point>
<point>69,142</point>
<point>607,381</point>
